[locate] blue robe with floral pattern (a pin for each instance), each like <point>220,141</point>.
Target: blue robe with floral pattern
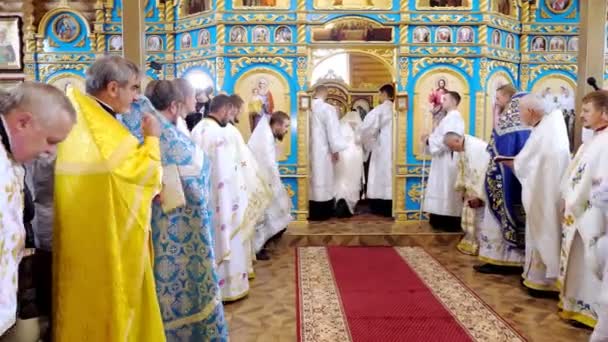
<point>503,190</point>
<point>184,262</point>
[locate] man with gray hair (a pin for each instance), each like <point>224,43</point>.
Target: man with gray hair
<point>539,167</point>
<point>105,181</point>
<point>34,118</point>
<point>470,182</point>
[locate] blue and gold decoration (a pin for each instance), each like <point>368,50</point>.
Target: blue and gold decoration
<point>267,50</point>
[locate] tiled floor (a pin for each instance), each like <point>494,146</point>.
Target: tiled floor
<point>268,314</point>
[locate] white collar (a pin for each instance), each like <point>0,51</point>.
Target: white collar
<point>8,132</point>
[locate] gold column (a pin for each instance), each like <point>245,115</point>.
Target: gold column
<point>133,31</point>
<point>590,52</point>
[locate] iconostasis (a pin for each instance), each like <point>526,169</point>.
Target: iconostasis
<point>266,51</point>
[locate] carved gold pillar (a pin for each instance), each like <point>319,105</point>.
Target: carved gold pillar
<point>590,52</point>
<point>29,35</point>
<point>133,30</point>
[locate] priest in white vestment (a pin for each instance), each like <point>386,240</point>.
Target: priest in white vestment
<point>326,143</point>
<point>540,166</point>
<point>349,168</point>
<point>377,137</point>
<point>441,200</point>
<point>502,234</point>
<point>34,118</point>
<point>232,230</point>
<point>599,199</point>
<point>263,145</point>
<point>258,192</point>
<point>473,161</point>
<point>583,224</point>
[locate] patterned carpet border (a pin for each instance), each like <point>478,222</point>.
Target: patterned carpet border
<point>321,318</point>
<point>480,321</point>
<point>319,308</point>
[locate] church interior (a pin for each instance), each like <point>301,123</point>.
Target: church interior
<point>278,52</point>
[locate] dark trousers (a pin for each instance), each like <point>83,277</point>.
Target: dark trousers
<point>381,207</point>
<point>445,223</point>
<point>321,211</point>
<point>342,209</point>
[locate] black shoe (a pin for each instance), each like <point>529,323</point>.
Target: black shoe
<point>543,294</point>
<point>495,269</point>
<point>262,255</point>
<point>277,237</point>
<point>342,210</point>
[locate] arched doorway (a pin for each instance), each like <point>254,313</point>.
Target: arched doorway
<point>353,77</point>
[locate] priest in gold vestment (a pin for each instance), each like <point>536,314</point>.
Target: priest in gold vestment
<point>105,182</point>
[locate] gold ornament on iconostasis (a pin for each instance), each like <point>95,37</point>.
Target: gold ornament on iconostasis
<point>66,79</point>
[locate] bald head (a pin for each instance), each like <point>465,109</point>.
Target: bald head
<point>532,108</point>
<point>454,141</point>
<point>38,116</point>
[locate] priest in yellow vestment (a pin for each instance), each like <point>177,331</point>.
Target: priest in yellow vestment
<point>104,185</point>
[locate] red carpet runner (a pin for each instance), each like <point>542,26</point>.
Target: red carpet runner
<point>372,294</point>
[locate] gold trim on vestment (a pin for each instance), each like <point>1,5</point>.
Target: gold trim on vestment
<point>465,247</point>
<point>540,287</point>
<point>198,317</point>
<point>235,298</point>
<point>575,316</point>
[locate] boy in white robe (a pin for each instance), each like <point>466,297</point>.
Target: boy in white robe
<point>441,200</point>
<point>539,166</point>
<point>326,142</point>
<point>472,165</point>
<point>583,223</point>
<point>377,137</point>
<point>349,169</point>
<point>263,146</point>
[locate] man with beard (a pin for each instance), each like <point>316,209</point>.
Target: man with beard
<point>233,222</point>
<point>263,145</point>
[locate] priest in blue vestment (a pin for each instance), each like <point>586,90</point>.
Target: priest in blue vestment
<point>502,233</point>
<point>184,261</point>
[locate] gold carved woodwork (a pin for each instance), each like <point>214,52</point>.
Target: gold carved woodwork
<point>536,70</point>
<point>480,99</point>
<point>461,62</point>
<point>416,192</point>
<point>279,62</point>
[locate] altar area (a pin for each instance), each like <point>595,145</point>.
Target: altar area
<point>273,47</point>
